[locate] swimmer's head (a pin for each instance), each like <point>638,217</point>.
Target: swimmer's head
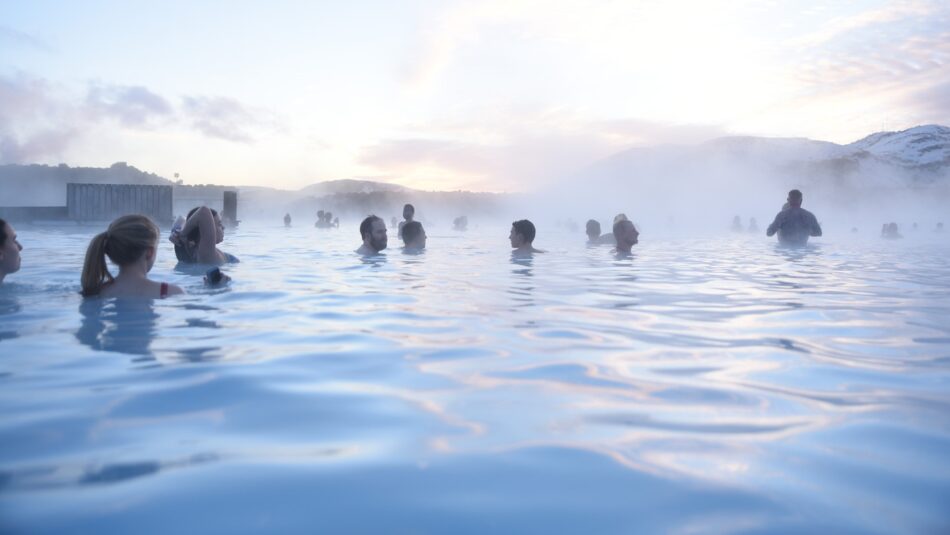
<point>413,235</point>
<point>128,240</point>
<point>522,233</point>
<point>9,250</point>
<point>626,234</point>
<point>593,229</point>
<point>195,234</point>
<point>408,211</point>
<point>373,232</point>
<point>795,198</point>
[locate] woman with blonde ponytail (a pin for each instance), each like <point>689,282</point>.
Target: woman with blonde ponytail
<point>131,243</point>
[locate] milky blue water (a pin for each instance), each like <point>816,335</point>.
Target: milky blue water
<point>704,385</point>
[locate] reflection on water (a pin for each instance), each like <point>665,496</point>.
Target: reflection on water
<point>121,325</point>
<point>695,386</point>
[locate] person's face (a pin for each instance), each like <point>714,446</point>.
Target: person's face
<point>220,228</point>
<point>407,213</point>
<point>10,253</point>
<point>517,240</point>
<point>377,236</point>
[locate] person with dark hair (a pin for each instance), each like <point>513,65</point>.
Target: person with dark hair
<point>891,232</point>
<point>9,250</point>
<point>794,224</point>
<point>373,232</point>
<point>414,237</point>
<point>626,234</point>
<point>287,219</point>
<point>522,238</point>
<point>196,242</point>
<point>594,237</point>
<point>408,212</point>
<point>131,242</point>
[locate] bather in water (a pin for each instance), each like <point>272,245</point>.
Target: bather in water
<point>131,242</point>
<point>373,232</point>
<point>9,250</point>
<point>196,242</point>
<point>794,224</point>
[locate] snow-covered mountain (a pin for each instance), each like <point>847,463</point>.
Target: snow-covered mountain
<point>919,155</point>
<point>925,146</point>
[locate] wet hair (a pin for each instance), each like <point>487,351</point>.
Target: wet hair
<point>593,226</point>
<point>3,232</point>
<point>525,228</point>
<point>410,207</point>
<point>124,242</point>
<point>366,227</point>
<point>411,231</point>
<point>795,195</point>
<point>619,225</point>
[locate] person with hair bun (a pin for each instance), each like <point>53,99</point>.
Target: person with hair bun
<point>131,243</point>
<point>196,242</point>
<point>9,250</point>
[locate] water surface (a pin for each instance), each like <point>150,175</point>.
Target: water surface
<point>702,385</point>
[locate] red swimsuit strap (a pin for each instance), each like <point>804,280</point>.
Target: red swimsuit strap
<point>164,291</point>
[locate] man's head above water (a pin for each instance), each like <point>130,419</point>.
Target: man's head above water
<point>626,235</point>
<point>414,236</point>
<point>522,234</point>
<point>795,198</point>
<point>373,232</point>
<point>593,229</point>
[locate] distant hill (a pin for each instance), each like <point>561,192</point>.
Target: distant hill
<point>45,185</point>
<point>331,187</point>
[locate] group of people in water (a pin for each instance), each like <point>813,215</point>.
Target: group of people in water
<point>131,243</point>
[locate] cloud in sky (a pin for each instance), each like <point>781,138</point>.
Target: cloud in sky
<point>224,118</point>
<point>34,122</point>
<point>40,120</point>
<point>132,106</point>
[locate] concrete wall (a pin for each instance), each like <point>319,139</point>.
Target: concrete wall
<point>26,214</point>
<point>105,202</point>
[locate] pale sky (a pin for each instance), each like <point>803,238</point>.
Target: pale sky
<point>490,95</point>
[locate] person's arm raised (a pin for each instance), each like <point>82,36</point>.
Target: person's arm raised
<point>203,220</point>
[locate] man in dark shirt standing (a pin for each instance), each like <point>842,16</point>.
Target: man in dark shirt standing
<point>794,224</point>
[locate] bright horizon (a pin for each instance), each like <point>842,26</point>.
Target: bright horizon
<point>489,96</point>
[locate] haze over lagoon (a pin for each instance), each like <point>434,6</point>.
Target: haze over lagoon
<point>710,382</point>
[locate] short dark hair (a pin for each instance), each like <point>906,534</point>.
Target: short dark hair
<point>366,227</point>
<point>593,226</point>
<point>618,226</point>
<point>525,228</point>
<point>411,231</point>
<point>3,232</point>
<point>409,206</point>
<point>795,194</point>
